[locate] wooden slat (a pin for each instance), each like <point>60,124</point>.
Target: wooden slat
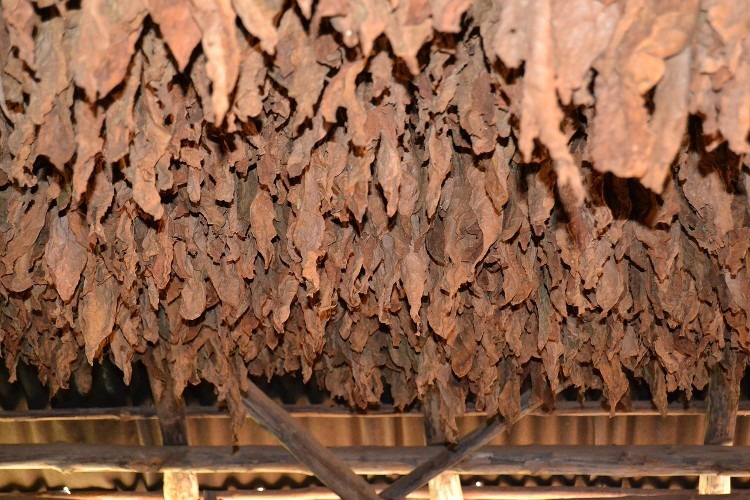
<point>291,435</point>
<point>721,418</point>
<point>562,409</point>
<point>315,493</point>
<point>446,486</point>
<point>619,461</point>
<point>446,458</point>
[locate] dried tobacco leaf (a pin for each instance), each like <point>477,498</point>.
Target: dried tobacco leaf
<point>106,42</point>
<point>216,20</point>
<point>176,23</point>
<point>65,257</point>
<point>98,305</point>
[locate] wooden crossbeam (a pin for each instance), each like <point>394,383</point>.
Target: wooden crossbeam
<point>562,409</point>
<point>619,461</point>
<point>291,435</point>
<point>448,457</point>
<point>315,493</point>
<point>723,399</point>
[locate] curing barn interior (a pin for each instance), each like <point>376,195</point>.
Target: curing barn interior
<point>361,249</point>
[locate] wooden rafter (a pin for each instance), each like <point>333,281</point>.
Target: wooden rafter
<point>291,435</point>
<point>619,461</point>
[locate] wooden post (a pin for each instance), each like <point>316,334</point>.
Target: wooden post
<point>446,486</point>
<point>326,466</point>
<point>171,413</point>
<point>723,400</point>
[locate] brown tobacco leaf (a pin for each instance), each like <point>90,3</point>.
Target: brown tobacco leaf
<point>149,149</point>
<point>610,286</point>
<point>21,20</point>
<point>52,73</point>
<point>669,119</point>
<point>414,278</point>
<point>88,125</point>
<point>65,257</point>
<point>193,297</point>
<point>178,27</point>
<point>308,231</point>
<point>248,100</point>
<point>298,69</point>
<point>440,165</point>
<point>541,116</point>
<point>26,229</point>
<point>407,37</point>
<point>258,18</point>
<point>105,45</point>
<point>389,172</point>
<point>56,138</point>
<point>446,14</point>
<point>261,224</point>
<point>577,49</point>
<point>216,20</point>
<point>98,305</point>
<point>362,23</point>
<point>734,120</point>
<point>120,122</point>
<point>633,64</point>
<point>341,92</point>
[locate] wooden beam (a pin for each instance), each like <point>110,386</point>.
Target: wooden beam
<point>446,458</point>
<point>619,461</point>
<point>291,435</point>
<point>446,486</point>
<point>562,409</point>
<point>721,418</point>
<point>316,493</point>
<point>170,410</point>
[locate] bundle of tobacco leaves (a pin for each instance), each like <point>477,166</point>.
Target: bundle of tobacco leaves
<point>382,195</point>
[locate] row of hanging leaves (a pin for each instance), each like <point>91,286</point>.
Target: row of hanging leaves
<point>381,195</point>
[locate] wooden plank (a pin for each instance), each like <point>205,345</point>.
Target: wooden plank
<point>170,410</point>
<point>721,418</point>
<point>291,435</point>
<point>619,461</point>
<point>446,486</point>
<point>316,493</point>
<point>562,409</point>
<point>446,458</point>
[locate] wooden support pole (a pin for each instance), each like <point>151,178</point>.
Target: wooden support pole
<point>723,399</point>
<point>619,461</point>
<point>449,457</point>
<point>326,466</point>
<point>446,486</point>
<point>170,410</point>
